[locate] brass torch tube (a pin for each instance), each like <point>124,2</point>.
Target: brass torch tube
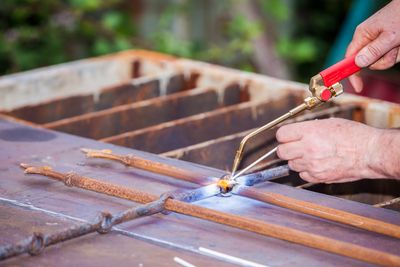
<point>239,152</point>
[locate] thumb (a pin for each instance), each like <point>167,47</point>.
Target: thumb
<point>376,49</point>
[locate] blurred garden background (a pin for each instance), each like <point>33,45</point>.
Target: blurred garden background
<point>291,39</point>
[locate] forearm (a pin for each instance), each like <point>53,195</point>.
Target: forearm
<point>385,154</point>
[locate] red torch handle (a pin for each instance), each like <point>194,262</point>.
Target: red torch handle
<point>339,71</point>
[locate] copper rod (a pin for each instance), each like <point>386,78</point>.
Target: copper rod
<point>252,225</point>
<point>149,165</point>
<point>321,211</point>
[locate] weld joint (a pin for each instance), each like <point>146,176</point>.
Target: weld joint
<point>37,244</point>
<point>163,199</point>
<point>105,223</point>
<point>69,177</point>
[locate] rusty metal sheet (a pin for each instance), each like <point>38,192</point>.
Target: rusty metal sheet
<point>206,126</point>
<point>76,105</point>
<point>80,77</point>
<point>27,144</point>
<point>142,114</point>
<point>139,89</point>
<point>219,153</point>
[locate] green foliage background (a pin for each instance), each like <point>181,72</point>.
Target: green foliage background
<point>38,33</point>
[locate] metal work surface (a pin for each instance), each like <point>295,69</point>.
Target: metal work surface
<point>171,234</point>
<point>190,113</point>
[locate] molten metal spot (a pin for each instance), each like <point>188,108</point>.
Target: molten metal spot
<point>225,183</point>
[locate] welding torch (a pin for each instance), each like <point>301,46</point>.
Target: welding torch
<point>323,87</point>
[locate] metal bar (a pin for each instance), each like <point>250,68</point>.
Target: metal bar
<point>137,90</point>
<point>387,203</point>
<point>369,191</point>
<point>266,155</point>
<point>208,152</point>
<point>265,165</point>
<point>135,116</point>
<point>331,214</point>
<point>103,223</point>
<point>196,128</point>
<point>74,180</point>
<point>292,203</point>
<point>149,165</point>
<point>252,225</point>
<point>143,239</point>
<point>263,176</point>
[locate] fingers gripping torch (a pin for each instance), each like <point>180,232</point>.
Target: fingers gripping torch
<point>323,87</point>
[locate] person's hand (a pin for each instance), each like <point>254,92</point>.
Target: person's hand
<point>330,150</point>
<point>376,41</point>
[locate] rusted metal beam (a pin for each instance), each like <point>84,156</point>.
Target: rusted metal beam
<point>369,191</point>
<point>388,202</point>
<point>253,225</point>
<point>146,113</point>
<point>139,89</point>
<point>272,198</point>
<point>206,126</point>
<point>320,211</point>
<point>209,152</point>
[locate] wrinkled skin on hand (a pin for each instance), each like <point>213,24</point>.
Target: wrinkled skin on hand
<point>331,150</point>
<point>376,41</point>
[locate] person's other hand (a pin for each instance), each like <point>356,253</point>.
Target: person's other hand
<point>329,150</point>
<point>376,41</point>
